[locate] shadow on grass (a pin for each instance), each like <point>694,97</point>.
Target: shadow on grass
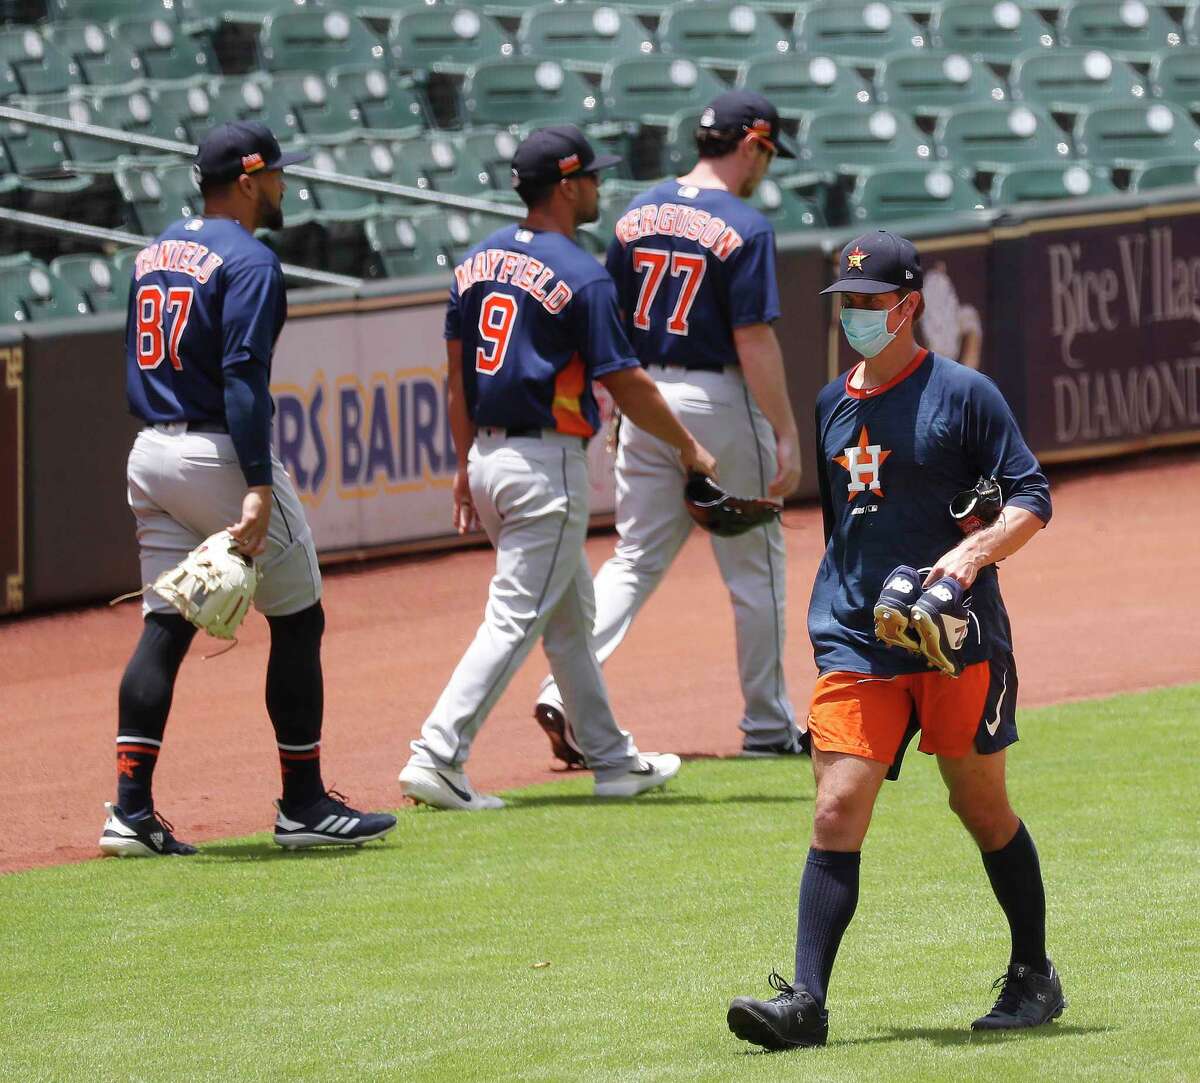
<point>269,851</point>
<point>653,800</point>
<point>965,1036</point>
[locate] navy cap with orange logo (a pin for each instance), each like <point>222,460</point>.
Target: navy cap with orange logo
<point>746,111</point>
<point>558,151</point>
<point>878,262</point>
<point>241,146</point>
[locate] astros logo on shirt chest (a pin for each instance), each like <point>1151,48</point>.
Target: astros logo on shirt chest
<point>863,461</point>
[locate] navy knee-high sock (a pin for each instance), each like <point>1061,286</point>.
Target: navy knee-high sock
<point>1016,876</point>
<point>296,702</point>
<point>144,702</point>
<point>828,897</point>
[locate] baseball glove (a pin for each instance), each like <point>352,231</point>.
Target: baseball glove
<point>721,514</point>
<point>973,509</point>
<point>212,586</point>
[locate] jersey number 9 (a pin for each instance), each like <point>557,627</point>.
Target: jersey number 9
<point>497,315</point>
<point>152,307</point>
<point>654,262</point>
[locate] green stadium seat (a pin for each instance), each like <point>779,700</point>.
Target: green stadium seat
<point>166,52</point>
<point>1040,182</point>
<point>189,105</point>
<point>1124,134</point>
<point>1175,77</point>
<point>849,140</point>
<point>10,85</point>
<point>930,82</point>
<point>584,36</point>
<point>388,105</point>
<point>995,31</point>
<point>892,193</point>
<point>796,85</point>
<point>28,293</point>
<point>156,197</point>
<point>323,113</point>
<point>785,208</point>
<point>987,137</point>
<point>75,10</point>
<point>445,38</point>
<point>93,276</point>
<point>404,246</point>
<point>102,60</point>
<point>84,152</point>
<point>132,110</point>
<point>1191,23</point>
<point>858,32</point>
<point>122,264</point>
<point>719,33</point>
<point>494,147</point>
<point>316,40</point>
<point>654,88</point>
<point>372,161</point>
<point>37,155</point>
<point>528,91</point>
<point>1168,173</point>
<point>40,66</point>
<point>208,14</point>
<point>1130,29</point>
<point>240,97</point>
<point>448,164</point>
<point>1065,79</point>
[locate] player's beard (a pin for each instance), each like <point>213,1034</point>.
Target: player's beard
<point>270,215</point>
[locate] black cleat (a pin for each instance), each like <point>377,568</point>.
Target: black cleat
<point>1027,999</point>
<point>562,738</point>
<point>791,1020</point>
<point>147,836</point>
<point>794,744</point>
<point>329,821</point>
<point>892,611</point>
<point>941,618</point>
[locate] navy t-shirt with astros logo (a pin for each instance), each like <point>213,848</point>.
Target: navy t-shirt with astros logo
<point>890,461</point>
<point>538,320</point>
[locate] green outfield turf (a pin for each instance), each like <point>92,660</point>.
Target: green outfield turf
<point>564,939</point>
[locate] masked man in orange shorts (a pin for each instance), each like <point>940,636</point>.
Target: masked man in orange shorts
<point>898,437</point>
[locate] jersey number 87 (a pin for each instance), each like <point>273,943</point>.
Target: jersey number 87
<point>151,307</point>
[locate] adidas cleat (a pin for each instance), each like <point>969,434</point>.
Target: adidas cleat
<point>941,618</point>
<point>329,821</point>
<point>900,590</point>
<point>146,836</point>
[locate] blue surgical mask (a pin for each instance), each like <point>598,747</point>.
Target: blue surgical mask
<point>866,328</point>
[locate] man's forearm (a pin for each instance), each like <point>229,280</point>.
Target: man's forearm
<point>762,365</point>
<point>1012,529</point>
<point>462,428</point>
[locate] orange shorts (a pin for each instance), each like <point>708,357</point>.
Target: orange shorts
<point>868,716</point>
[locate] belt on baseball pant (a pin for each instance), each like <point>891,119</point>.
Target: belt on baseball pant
<point>528,432</point>
<point>174,428</point>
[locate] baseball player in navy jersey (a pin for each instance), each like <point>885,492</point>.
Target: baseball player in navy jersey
<point>695,271</point>
<point>532,320</point>
<point>206,306</point>
<point>897,438</point>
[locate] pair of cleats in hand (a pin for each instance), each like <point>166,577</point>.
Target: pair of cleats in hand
<point>933,622</point>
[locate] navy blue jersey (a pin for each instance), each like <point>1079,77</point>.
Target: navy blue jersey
<point>890,460</point>
<point>691,264</point>
<point>206,306</point>
<point>538,321</point>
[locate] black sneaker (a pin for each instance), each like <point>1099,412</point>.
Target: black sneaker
<point>791,1020</point>
<point>1027,999</point>
<point>147,836</point>
<point>562,738</point>
<point>795,744</point>
<point>329,821</point>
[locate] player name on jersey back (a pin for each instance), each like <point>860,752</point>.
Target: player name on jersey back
<point>679,220</point>
<point>518,269</point>
<point>186,257</point>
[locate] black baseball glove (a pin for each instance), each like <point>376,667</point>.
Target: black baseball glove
<point>721,514</point>
<point>973,509</point>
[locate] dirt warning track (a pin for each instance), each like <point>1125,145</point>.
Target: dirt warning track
<point>1104,601</point>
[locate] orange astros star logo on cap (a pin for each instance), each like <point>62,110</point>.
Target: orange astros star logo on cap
<point>863,461</point>
<point>854,261</point>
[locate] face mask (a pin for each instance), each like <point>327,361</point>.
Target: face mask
<point>866,328</point>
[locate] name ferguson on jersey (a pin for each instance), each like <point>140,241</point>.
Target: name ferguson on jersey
<point>517,268</point>
<point>187,257</point>
<point>676,220</point>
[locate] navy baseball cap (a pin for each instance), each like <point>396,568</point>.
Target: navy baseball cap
<point>745,111</point>
<point>550,154</point>
<point>241,146</point>
<point>878,262</point>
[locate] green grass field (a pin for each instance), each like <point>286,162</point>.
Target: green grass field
<point>563,939</point>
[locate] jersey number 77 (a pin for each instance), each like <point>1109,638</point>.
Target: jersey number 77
<point>152,306</point>
<point>653,262</point>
